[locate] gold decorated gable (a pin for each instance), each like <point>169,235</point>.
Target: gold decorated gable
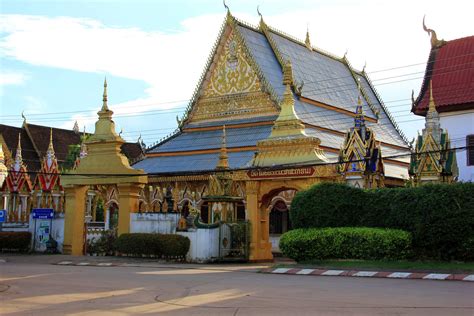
<point>232,87</point>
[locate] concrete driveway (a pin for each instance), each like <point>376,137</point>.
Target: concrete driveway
<point>31,285</point>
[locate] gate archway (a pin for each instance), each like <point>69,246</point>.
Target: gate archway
<point>104,166</point>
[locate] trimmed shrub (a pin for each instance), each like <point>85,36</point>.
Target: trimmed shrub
<point>440,217</point>
<point>16,241</point>
<point>327,205</point>
<point>346,243</point>
<point>157,245</point>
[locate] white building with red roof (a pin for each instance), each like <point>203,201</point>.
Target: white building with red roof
<point>450,69</point>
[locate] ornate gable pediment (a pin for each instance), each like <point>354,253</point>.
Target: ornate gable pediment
<point>429,159</point>
<point>232,73</point>
<point>233,85</point>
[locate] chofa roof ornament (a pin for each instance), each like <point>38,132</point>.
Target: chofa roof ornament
<point>435,42</point>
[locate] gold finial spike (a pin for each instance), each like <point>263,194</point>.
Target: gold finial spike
<point>23,116</point>
<point>226,6</point>
<point>431,105</point>
<point>18,157</point>
<point>50,147</point>
<point>287,73</point>
<point>104,98</point>
<point>223,163</point>
<point>359,97</point>
<point>307,40</point>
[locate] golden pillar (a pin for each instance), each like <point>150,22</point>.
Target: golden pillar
<point>260,246</point>
<point>74,219</point>
<point>128,203</point>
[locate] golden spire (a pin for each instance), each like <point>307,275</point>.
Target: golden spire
<point>287,73</point>
<point>262,24</point>
<point>307,40</point>
<point>18,158</point>
<point>431,105</point>
<point>104,98</point>
<point>50,150</point>
<point>359,118</point>
<point>223,163</point>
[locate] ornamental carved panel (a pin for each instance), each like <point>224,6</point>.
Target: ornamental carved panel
<point>233,73</point>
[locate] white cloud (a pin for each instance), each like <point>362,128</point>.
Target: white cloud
<point>383,34</point>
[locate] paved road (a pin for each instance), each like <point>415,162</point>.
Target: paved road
<point>35,287</point>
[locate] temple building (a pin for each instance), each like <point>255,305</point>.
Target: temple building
<point>270,116</point>
<point>448,84</point>
<point>294,115</point>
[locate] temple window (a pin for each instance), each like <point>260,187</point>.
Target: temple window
<point>470,150</point>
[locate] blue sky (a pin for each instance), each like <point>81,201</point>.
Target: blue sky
<point>55,54</point>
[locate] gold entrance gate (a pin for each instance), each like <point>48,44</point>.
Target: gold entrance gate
<point>103,166</point>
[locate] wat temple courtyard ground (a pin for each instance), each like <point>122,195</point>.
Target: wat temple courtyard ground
<point>31,285</point>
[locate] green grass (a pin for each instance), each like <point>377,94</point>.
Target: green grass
<point>431,266</point>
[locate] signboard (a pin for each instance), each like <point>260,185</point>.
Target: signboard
<point>3,216</point>
<point>43,213</point>
<point>282,173</point>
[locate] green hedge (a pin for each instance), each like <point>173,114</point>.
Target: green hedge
<point>156,245</point>
<point>16,241</point>
<point>440,217</point>
<point>346,243</point>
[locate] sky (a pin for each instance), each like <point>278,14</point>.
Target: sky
<point>55,54</point>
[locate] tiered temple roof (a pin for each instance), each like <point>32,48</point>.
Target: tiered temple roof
<point>324,88</point>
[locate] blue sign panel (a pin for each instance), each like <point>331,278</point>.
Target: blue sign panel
<point>3,216</point>
<point>43,213</point>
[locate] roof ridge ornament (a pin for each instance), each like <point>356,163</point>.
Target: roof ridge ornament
<point>104,97</point>
<point>23,116</point>
<point>307,41</point>
<point>223,163</point>
<point>262,25</point>
<point>226,6</point>
<point>18,157</point>
<point>288,73</point>
<point>435,42</point>
<point>431,104</point>
<point>50,150</point>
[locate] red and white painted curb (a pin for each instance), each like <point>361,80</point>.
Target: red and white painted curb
<point>91,264</point>
<point>373,274</point>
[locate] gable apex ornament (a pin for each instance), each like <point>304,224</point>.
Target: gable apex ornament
<point>435,42</point>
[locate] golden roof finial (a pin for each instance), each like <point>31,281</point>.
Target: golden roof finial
<point>104,97</point>
<point>359,115</point>
<point>262,24</point>
<point>23,116</point>
<point>223,163</point>
<point>287,73</point>
<point>307,40</point>
<point>226,6</point>
<point>431,105</point>
<point>18,156</point>
<point>50,146</point>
